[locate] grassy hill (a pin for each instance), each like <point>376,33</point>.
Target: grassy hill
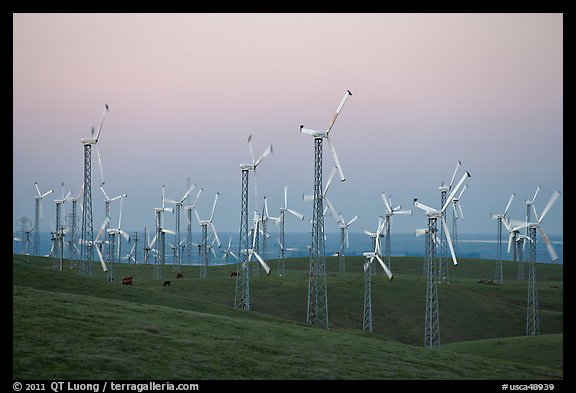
<point>70,327</point>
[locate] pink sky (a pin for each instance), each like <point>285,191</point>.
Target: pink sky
<point>186,90</point>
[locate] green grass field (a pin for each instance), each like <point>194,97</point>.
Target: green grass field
<point>70,327</point>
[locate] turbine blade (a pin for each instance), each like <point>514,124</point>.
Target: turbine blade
<point>100,163</point>
<point>388,208</point>
<point>295,213</point>
<point>551,251</point>
<point>285,197</point>
<point>104,192</point>
<point>454,174</point>
<point>536,193</point>
<point>193,186</point>
<point>266,153</point>
<point>335,115</point>
<point>262,263</point>
<point>329,180</point>
<point>455,190</point>
<point>509,202</point>
<point>388,272</point>
<point>551,202</point>
<point>104,267</point>
<point>251,149</point>
<point>331,207</point>
<point>214,206</point>
<point>449,240</point>
<point>215,234</point>
<point>342,178</point>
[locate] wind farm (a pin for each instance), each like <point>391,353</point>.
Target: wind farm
<point>463,289</point>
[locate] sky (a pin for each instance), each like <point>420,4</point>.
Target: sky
<point>185,91</point>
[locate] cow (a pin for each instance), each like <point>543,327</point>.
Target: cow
<point>179,275</point>
<point>166,283</point>
<point>234,274</point>
<point>127,280</point>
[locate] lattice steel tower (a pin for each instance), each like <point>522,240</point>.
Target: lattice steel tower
<point>532,313</point>
<point>367,320</point>
<point>432,323</point>
<point>499,277</point>
<point>158,259</point>
<point>87,234</point>
<point>317,309</point>
<point>242,294</point>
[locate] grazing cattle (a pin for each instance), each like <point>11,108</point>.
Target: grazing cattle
<point>166,283</point>
<point>234,274</point>
<point>179,275</point>
<point>127,280</point>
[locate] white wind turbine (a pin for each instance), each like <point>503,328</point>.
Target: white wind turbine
<point>390,211</point>
<point>109,251</point>
<point>369,256</point>
<point>344,239</point>
<point>442,262</point>
<point>532,313</point>
<point>59,231</point>
<point>116,233</point>
<point>38,215</point>
<point>228,252</point>
<point>281,220</point>
<point>457,207</point>
<point>501,217</point>
<point>242,290</point>
<point>87,231</point>
<point>160,236</point>
<point>317,307</point>
<point>189,243</point>
<point>204,225</point>
<point>432,321</point>
<point>179,206</point>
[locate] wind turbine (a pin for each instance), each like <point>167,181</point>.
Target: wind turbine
<point>113,233</point>
<point>501,217</point>
<point>38,215</point>
<point>281,221</point>
<point>160,258</point>
<point>97,241</point>
<point>432,321</point>
<point>73,250</point>
<point>367,320</point>
<point>26,229</point>
<point>457,207</point>
<point>178,207</point>
<point>228,252</point>
<point>390,211</point>
<point>442,261</point>
<point>317,308</point>
<point>242,292</point>
<point>108,252</point>
<point>59,251</point>
<point>131,255</point>
<point>87,234</point>
<point>204,224</point>
<point>532,313</point>
<point>520,240</point>
<point>189,242</point>
<point>344,236</point>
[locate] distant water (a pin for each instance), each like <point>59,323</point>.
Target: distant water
<point>482,246</point>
